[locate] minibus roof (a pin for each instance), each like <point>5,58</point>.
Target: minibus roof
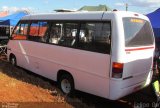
<point>97,15</point>
<point>65,16</point>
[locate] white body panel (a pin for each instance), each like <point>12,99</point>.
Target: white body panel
<point>137,71</point>
<point>47,60</point>
<point>91,71</point>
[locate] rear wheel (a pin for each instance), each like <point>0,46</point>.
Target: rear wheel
<point>13,60</point>
<point>66,84</point>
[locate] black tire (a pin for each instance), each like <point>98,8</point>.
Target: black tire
<point>13,60</point>
<point>66,84</point>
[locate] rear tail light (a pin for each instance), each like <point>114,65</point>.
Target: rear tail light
<point>117,70</point>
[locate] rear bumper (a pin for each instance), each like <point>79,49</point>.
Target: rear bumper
<point>116,94</point>
<point>119,88</point>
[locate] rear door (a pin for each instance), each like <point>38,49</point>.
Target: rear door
<point>139,48</point>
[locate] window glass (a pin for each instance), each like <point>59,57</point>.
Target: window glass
<point>56,33</point>
<point>95,37</point>
<point>63,34</point>
<point>20,30</point>
<point>34,29</point>
<point>38,31</point>
<point>138,32</point>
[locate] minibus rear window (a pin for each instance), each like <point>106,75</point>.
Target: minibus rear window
<point>137,32</point>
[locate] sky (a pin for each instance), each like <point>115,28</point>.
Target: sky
<point>43,6</point>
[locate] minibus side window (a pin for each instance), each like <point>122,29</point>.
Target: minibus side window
<point>95,37</point>
<point>20,31</point>
<point>55,33</point>
<point>63,34</point>
<point>38,31</point>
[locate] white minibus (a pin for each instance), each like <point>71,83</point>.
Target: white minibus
<point>107,54</point>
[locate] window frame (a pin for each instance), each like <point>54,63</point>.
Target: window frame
<point>78,22</point>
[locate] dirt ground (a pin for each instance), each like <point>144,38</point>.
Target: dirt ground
<point>20,88</point>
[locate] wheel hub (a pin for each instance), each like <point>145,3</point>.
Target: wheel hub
<point>66,86</point>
